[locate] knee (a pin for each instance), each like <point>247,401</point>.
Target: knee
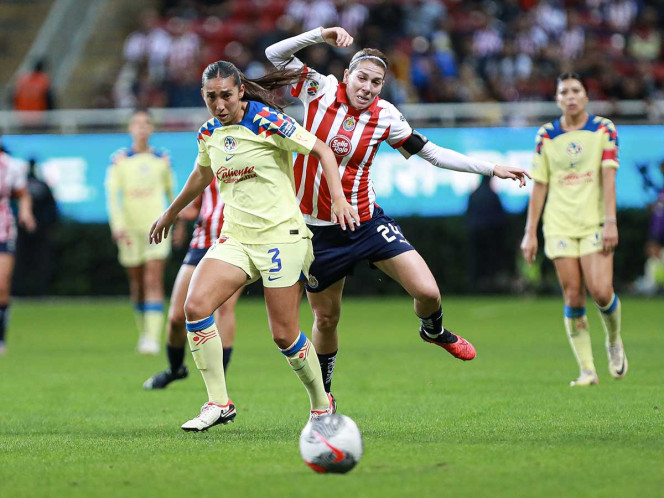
<point>327,320</point>
<point>194,309</point>
<point>176,316</point>
<point>428,295</point>
<point>602,296</point>
<point>574,296</point>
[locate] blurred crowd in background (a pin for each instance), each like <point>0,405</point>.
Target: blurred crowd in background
<point>440,50</point>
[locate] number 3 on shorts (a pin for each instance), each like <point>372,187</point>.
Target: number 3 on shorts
<point>275,259</point>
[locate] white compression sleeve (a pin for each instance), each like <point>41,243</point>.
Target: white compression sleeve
<point>281,53</point>
<point>449,159</point>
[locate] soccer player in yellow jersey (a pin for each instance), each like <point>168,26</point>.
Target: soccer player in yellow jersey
<point>248,146</point>
<point>574,169</point>
<point>139,184</point>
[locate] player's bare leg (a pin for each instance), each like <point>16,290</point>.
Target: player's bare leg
<point>598,272</point>
<point>137,294</point>
<point>412,272</point>
<point>213,283</point>
<point>575,319</point>
<point>283,312</point>
<point>6,271</point>
<point>326,307</point>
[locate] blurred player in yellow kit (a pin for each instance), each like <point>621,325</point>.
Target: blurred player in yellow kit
<point>138,183</point>
<point>248,146</point>
<point>574,169</point>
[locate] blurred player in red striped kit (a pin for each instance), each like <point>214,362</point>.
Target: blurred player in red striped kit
<point>353,120</point>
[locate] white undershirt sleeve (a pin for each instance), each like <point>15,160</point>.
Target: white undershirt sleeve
<point>449,159</point>
<point>281,53</point>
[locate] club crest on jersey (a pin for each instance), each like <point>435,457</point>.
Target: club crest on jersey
<point>312,281</point>
<point>574,149</point>
<point>341,146</point>
<point>349,123</point>
<point>312,88</point>
<point>229,145</point>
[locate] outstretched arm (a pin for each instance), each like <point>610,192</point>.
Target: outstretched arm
<point>199,178</point>
<point>281,54</point>
<point>342,211</point>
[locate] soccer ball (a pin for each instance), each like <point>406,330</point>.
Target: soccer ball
<point>332,443</point>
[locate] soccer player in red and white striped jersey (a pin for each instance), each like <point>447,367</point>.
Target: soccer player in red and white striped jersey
<point>209,209</point>
<point>353,120</point>
<point>13,184</point>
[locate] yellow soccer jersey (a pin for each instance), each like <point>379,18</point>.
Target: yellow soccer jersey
<point>138,186</point>
<point>571,163</point>
<point>253,163</point>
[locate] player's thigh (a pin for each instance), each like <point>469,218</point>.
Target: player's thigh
<point>326,305</point>
<point>598,273</point>
<point>214,281</point>
<point>412,272</point>
<point>571,280</point>
<point>179,293</point>
<point>6,271</point>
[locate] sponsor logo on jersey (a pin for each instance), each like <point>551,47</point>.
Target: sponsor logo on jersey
<point>312,88</point>
<point>230,144</point>
<point>341,146</point>
<point>232,175</point>
<point>287,128</point>
<point>349,123</point>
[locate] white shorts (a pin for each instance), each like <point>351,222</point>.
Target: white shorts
<point>134,249</point>
<point>559,246</point>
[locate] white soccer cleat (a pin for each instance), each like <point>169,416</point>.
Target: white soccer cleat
<point>147,345</point>
<point>211,414</point>
<point>617,359</point>
<point>587,378</point>
<point>331,408</point>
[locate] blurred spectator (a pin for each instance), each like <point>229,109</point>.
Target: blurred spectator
<point>33,90</point>
<point>34,268</point>
<point>487,230</point>
<point>652,280</point>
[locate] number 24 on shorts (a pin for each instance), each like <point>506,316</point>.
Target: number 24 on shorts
<point>385,230</point>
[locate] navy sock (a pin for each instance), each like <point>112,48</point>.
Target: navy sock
<point>175,357</point>
<point>227,357</point>
<point>327,362</point>
<point>4,318</point>
<point>433,324</point>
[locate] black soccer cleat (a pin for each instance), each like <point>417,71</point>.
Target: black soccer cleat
<point>162,379</point>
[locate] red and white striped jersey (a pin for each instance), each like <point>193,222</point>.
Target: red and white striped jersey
<point>13,181</point>
<point>210,218</point>
<point>353,135</point>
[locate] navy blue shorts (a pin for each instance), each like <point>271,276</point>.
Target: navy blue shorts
<point>194,256</point>
<point>8,246</point>
<point>336,252</point>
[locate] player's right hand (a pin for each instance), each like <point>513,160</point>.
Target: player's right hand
<point>337,37</point>
<point>529,247</point>
<point>161,227</point>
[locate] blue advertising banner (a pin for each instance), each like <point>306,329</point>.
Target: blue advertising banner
<point>75,167</point>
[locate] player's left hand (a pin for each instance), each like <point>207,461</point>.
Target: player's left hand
<point>610,236</point>
<point>516,174</point>
<point>337,37</point>
<point>343,213</point>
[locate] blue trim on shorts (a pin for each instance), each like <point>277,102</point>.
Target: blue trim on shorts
<point>612,307</point>
<point>337,252</point>
<point>154,306</point>
<point>301,341</point>
<point>200,325</point>
<point>574,312</point>
<point>194,256</point>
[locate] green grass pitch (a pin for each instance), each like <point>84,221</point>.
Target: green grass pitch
<point>74,420</point>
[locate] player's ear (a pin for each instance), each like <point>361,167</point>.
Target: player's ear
<point>241,92</point>
<point>346,73</point>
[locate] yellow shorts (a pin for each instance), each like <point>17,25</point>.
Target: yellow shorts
<point>573,247</point>
<point>134,249</point>
<point>279,264</point>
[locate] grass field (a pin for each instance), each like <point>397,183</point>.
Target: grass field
<point>74,420</point>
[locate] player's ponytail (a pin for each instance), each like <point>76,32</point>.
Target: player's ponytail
<point>259,89</point>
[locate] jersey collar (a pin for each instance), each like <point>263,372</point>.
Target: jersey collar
<point>341,98</point>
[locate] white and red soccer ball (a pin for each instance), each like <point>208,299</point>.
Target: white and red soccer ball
<point>331,444</point>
